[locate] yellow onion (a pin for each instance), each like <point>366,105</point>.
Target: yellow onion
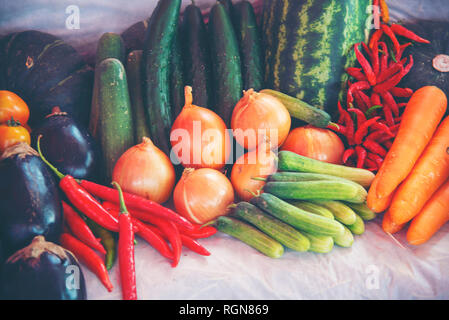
<point>146,171</point>
<point>203,194</point>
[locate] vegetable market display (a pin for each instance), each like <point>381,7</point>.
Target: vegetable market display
<point>139,147</point>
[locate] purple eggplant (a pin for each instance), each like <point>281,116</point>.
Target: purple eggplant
<point>42,271</point>
<point>67,145</point>
<point>30,203</point>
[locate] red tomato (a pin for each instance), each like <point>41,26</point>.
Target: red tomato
<point>11,105</point>
<point>316,143</point>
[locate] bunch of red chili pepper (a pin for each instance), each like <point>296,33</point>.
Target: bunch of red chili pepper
<point>151,221</point>
<point>374,101</point>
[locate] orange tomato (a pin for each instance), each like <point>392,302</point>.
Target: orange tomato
<point>11,105</point>
<point>11,134</point>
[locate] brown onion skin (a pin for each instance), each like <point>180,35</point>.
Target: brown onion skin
<point>203,194</point>
<point>146,171</point>
<point>316,143</point>
<point>259,111</point>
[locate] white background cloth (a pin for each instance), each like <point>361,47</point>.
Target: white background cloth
<point>378,266</point>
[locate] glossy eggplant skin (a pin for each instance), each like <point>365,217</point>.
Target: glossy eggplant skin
<point>30,203</point>
<point>42,271</point>
<point>68,145</point>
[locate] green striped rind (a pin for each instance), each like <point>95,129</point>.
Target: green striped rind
<point>306,46</point>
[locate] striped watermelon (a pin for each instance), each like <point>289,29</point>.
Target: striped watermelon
<point>308,45</point>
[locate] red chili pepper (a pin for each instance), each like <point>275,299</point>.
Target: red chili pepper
<point>401,92</point>
<point>348,154</point>
<point>360,85</point>
<point>356,73</point>
<point>367,50</point>
<point>341,111</point>
<point>387,30</point>
<point>404,32</point>
<point>363,130</point>
<point>376,158</point>
<point>359,103</point>
<point>200,232</point>
<point>364,63</point>
<point>136,202</point>
<point>366,100</point>
<point>144,232</point>
<point>385,56</point>
<point>401,50</point>
<point>88,257</point>
<point>361,156</point>
<point>126,258</point>
<point>389,100</point>
<point>370,165</point>
<point>375,148</point>
<point>361,118</point>
<point>383,128</point>
<point>388,116</point>
<point>80,229</point>
<point>390,83</point>
<point>375,59</point>
<point>375,99</point>
<point>375,37</point>
<point>377,135</point>
<point>389,72</point>
<point>388,144</point>
<point>188,242</point>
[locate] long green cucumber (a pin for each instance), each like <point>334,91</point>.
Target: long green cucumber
<point>290,161</point>
<point>110,45</point>
<point>134,76</point>
<point>176,76</point>
<point>313,208</point>
<point>301,110</point>
<point>196,56</point>
<point>275,228</point>
<point>250,235</point>
<point>158,43</point>
<point>115,128</point>
<point>226,67</point>
<point>358,227</point>
<point>300,219</point>
<point>362,210</point>
<point>341,212</point>
<point>320,243</point>
<point>344,240</point>
<point>250,44</point>
<point>323,189</point>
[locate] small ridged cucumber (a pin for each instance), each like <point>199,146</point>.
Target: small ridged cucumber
<point>250,235</point>
<point>344,240</point>
<point>313,208</point>
<point>320,243</point>
<point>290,161</point>
<point>300,219</point>
<point>115,131</point>
<point>110,45</point>
<point>341,212</point>
<point>134,76</point>
<point>226,65</point>
<point>275,228</point>
<point>323,189</point>
<point>301,110</point>
<point>250,44</point>
<point>358,227</point>
<point>362,210</point>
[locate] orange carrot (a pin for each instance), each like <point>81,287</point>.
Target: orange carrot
<point>420,119</point>
<point>389,226</point>
<point>431,218</point>
<point>429,173</point>
<point>375,203</point>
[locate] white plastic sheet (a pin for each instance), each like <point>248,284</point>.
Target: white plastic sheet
<point>378,266</point>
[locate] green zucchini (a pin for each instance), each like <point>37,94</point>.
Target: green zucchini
<point>228,6</point>
<point>358,227</point>
<point>115,127</point>
<point>196,55</point>
<point>362,210</point>
<point>158,43</point>
<point>110,45</point>
<point>226,67</point>
<point>275,228</point>
<point>300,219</point>
<point>323,189</point>
<point>249,39</point>
<point>290,161</point>
<point>341,212</point>
<point>250,235</point>
<point>134,76</point>
<point>320,243</point>
<point>313,208</point>
<point>176,77</point>
<point>344,240</point>
<point>301,110</point>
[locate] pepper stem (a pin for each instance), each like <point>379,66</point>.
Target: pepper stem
<point>53,168</point>
<point>123,209</point>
